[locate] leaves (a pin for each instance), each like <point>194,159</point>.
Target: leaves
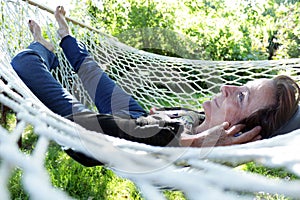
<point>208,29</point>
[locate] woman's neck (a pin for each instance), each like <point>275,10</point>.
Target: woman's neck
<point>202,127</point>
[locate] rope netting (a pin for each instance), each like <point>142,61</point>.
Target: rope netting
<point>154,81</point>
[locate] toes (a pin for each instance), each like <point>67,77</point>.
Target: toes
<point>32,22</point>
<point>34,28</point>
<point>60,10</point>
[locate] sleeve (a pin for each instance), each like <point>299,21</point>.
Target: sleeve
<point>188,117</point>
<point>156,133</point>
<point>148,131</point>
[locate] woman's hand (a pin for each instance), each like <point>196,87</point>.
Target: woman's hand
<point>221,135</point>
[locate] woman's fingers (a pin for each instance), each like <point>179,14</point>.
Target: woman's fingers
<point>248,136</point>
<point>235,129</point>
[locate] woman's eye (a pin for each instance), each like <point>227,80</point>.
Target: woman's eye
<point>241,96</point>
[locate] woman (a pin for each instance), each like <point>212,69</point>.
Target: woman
<point>222,113</point>
<point>268,103</point>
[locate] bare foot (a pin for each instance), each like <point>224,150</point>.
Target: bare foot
<point>63,29</point>
<point>37,35</point>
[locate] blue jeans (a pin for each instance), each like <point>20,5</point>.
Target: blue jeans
<point>33,66</point>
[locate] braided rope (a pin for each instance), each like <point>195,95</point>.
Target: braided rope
<point>205,177</point>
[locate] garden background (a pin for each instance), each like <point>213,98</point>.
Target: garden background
<point>206,30</point>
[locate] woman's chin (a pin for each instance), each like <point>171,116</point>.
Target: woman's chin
<point>207,108</point>
<point>207,111</point>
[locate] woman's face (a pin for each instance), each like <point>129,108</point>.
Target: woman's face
<point>235,103</point>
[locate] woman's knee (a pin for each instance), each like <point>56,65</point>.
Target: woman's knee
<point>26,61</point>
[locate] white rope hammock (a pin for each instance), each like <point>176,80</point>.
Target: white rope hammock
<point>153,80</point>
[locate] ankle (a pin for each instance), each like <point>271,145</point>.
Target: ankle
<point>63,33</point>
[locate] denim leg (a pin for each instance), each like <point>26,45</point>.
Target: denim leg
<point>32,65</point>
<point>109,98</point>
<point>47,56</point>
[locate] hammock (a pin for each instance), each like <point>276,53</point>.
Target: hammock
<point>154,81</point>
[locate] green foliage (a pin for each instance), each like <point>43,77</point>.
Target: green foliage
<point>85,183</point>
<point>269,173</point>
<point>210,29</point>
<point>7,119</point>
<point>174,195</point>
<point>15,186</point>
<point>78,181</point>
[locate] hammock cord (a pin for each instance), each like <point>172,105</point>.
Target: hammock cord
<point>153,80</point>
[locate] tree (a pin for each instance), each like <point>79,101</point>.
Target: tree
<point>207,29</point>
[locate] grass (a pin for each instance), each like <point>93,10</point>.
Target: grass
<point>269,173</point>
<point>86,183</point>
<point>101,183</point>
<point>68,175</point>
<point>78,181</point>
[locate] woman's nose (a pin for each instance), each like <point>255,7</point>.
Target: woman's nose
<point>226,90</point>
